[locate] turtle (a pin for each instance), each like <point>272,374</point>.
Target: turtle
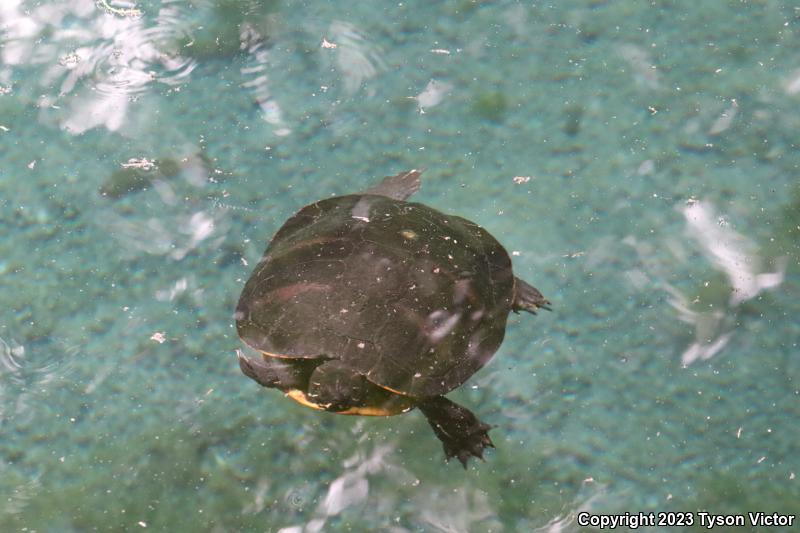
<point>369,304</point>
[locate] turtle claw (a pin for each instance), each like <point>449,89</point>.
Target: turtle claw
<point>462,434</point>
<point>473,446</point>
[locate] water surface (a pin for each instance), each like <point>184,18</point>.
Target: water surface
<point>639,162</point>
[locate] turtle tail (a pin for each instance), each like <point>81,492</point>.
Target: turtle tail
<point>398,187</point>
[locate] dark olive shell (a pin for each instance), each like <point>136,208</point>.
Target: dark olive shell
<point>413,299</point>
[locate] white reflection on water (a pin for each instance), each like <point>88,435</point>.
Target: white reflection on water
<point>433,94</point>
<point>592,498</point>
<point>737,258</point>
<point>792,84</point>
<point>463,510</point>
<point>644,70</point>
<point>171,235</point>
<point>710,330</point>
<point>16,501</point>
<point>27,374</point>
<point>257,68</point>
<point>113,72</point>
<point>10,357</point>
<point>172,222</point>
<point>99,66</point>
<point>355,56</point>
<point>731,252</point>
<point>712,307</point>
<point>349,489</point>
<point>29,371</point>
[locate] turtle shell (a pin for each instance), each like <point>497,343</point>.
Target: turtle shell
<point>413,299</point>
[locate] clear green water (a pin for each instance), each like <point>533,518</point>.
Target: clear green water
<point>661,216</point>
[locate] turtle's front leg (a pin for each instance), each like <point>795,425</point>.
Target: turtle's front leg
<point>275,373</point>
<point>460,431</point>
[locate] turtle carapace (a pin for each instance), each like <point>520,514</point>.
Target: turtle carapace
<point>367,304</point>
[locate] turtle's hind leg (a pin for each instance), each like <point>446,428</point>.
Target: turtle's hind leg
<point>528,298</point>
<point>336,387</point>
<point>462,434</point>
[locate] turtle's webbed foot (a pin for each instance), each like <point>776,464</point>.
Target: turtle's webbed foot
<point>528,298</point>
<point>472,446</point>
<point>462,434</point>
